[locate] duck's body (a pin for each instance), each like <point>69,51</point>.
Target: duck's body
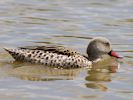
<point>54,56</point>
<point>61,57</point>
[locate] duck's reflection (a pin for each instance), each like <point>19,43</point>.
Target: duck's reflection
<point>109,65</point>
<point>96,77</point>
<point>101,73</point>
<point>98,86</point>
<point>95,80</point>
<point>41,73</point>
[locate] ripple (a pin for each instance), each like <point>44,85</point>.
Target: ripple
<point>67,23</point>
<point>67,36</point>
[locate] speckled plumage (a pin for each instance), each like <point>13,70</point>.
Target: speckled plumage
<point>61,57</point>
<point>55,56</point>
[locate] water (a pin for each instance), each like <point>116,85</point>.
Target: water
<point>69,23</point>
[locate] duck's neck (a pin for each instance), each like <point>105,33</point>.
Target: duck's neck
<point>93,53</point>
<point>94,57</point>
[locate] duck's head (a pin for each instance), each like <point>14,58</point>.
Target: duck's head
<point>98,47</point>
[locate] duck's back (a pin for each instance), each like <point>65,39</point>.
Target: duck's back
<point>54,56</point>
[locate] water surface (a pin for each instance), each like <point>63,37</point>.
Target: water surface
<point>69,23</point>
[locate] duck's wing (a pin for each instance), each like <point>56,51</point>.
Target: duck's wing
<point>54,49</point>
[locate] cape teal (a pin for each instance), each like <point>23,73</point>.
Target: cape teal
<point>62,57</point>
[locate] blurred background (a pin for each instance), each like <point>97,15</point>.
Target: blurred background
<point>69,23</point>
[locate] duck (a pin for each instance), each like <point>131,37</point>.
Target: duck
<point>62,57</point>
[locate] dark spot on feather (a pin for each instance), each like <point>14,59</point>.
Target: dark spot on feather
<point>51,61</point>
<point>69,54</point>
<point>17,53</point>
<point>69,64</point>
<point>28,51</point>
<point>47,58</point>
<point>44,55</point>
<point>52,56</point>
<point>40,54</point>
<point>72,59</point>
<point>37,51</point>
<point>29,55</point>
<point>79,60</point>
<point>34,56</point>
<point>33,52</point>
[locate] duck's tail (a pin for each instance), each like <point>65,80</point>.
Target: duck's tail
<point>12,52</point>
<point>9,50</point>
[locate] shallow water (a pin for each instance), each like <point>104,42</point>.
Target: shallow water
<point>70,23</point>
